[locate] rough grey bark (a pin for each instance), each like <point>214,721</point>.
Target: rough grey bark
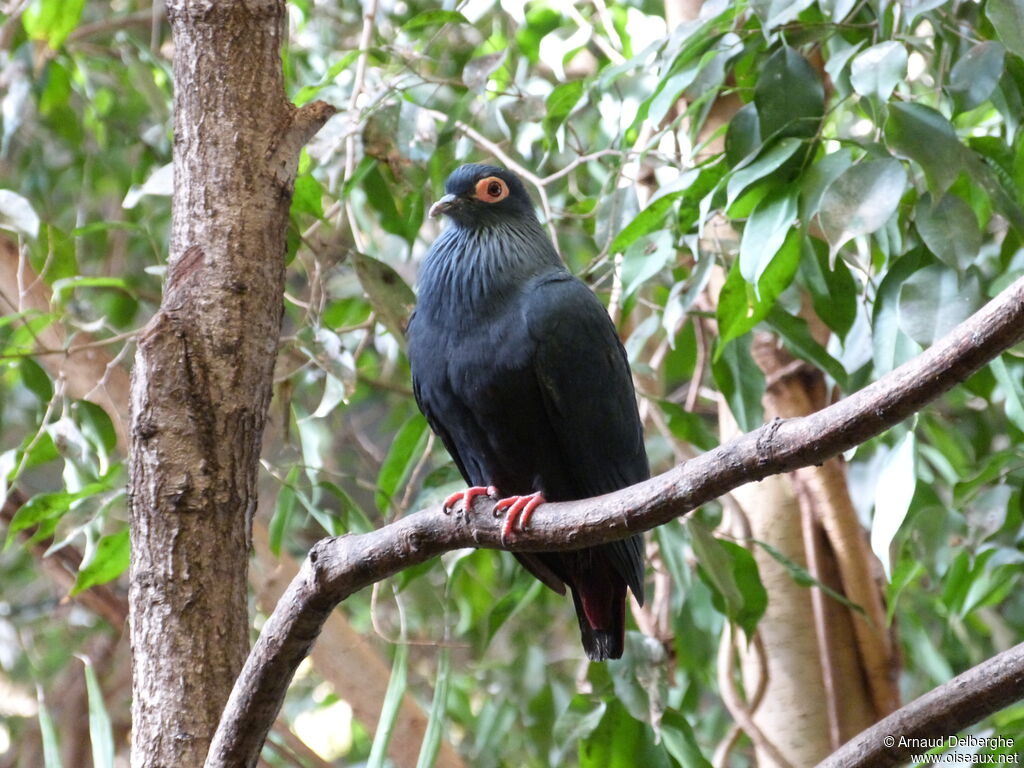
<point>913,730</point>
<point>337,567</point>
<point>201,383</point>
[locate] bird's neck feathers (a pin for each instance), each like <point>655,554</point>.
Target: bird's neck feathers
<point>472,270</point>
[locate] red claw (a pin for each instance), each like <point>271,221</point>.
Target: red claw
<point>467,497</point>
<point>519,508</point>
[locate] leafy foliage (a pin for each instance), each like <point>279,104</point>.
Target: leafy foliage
<point>874,166</point>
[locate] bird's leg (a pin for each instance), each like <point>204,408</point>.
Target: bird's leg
<point>519,507</point>
<point>467,497</point>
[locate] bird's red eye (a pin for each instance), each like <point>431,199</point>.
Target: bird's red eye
<point>491,190</point>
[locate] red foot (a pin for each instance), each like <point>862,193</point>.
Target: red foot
<point>519,507</point>
<point>467,497</point>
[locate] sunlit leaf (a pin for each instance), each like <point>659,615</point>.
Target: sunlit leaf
<point>732,571</point>
<point>1007,17</point>
<point>926,137</point>
<point>797,335</point>
<point>789,95</point>
<point>101,734</point>
<point>741,382</point>
<point>17,214</point>
<point>877,70</point>
<point>433,18</point>
<point>1008,374</point>
<point>405,450</point>
<point>681,741</point>
<point>52,20</point>
<point>934,300</point>
<point>390,707</point>
<point>48,731</point>
<point>767,162</point>
<point>950,230</point>
<point>109,560</point>
<point>740,307</point>
<point>765,232</point>
<point>860,201</point>
<point>975,76</point>
<point>438,715</point>
<point>892,501</point>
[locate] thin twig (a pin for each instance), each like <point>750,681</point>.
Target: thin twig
<point>358,82</point>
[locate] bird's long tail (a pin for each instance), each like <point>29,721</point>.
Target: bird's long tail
<point>601,611</point>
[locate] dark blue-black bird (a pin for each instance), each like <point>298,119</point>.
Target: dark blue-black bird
<point>518,368</point>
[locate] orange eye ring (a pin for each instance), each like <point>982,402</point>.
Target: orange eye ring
<point>491,190</point>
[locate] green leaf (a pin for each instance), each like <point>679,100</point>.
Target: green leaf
<point>976,75</point>
<point>509,604</point>
<point>741,382</point>
<point>732,573</point>
<point>101,733</point>
<point>391,298</point>
<point>860,201</point>
<point>283,510</point>
<point>1007,17</point>
<point>579,720</point>
<point>797,335</point>
<point>680,740</point>
<point>309,92</point>
<point>775,13</point>
<point>818,177</point>
<point>618,742</point>
<point>48,506</point>
<point>789,95</point>
<point>64,286</point>
<point>896,485</point>
<point>689,427</point>
<point>109,561</point>
<point>433,18</point>
<point>308,196</point>
<point>768,161</point>
<point>562,99</point>
<point>765,232</point>
<point>950,230</point>
<point>52,20</point>
<point>877,70</point>
<point>645,259</point>
<point>927,138</point>
<point>438,711</point>
<point>48,731</point>
<point>17,214</point>
<point>405,451</point>
<point>936,299</point>
<point>1010,385</point>
<point>833,290</point>
<point>803,578</point>
<point>890,345</point>
<point>740,307</point>
<point>743,136</point>
<point>390,707</point>
<point>652,217</point>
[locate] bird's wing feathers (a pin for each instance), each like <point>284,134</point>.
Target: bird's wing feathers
<point>585,381</point>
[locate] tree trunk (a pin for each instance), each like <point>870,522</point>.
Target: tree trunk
<point>201,384</point>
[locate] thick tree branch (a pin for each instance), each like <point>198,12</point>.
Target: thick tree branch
<point>338,567</point>
<point>989,687</point>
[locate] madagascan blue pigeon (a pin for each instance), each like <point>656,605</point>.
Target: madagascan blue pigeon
<point>519,370</point>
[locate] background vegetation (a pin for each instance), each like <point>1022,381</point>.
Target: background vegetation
<point>839,179</point>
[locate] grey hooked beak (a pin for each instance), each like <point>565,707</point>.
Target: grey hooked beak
<point>443,205</point>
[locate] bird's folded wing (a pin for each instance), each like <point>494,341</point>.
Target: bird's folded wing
<point>585,380</point>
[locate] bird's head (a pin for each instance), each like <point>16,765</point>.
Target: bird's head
<point>479,195</point>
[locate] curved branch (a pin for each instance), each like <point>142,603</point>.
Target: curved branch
<point>980,691</point>
<point>337,567</point>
